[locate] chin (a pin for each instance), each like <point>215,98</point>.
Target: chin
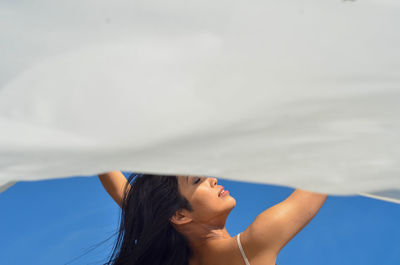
<point>231,208</point>
<point>233,202</point>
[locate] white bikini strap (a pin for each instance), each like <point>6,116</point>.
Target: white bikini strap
<point>242,251</point>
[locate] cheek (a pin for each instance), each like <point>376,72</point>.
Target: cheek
<point>206,202</point>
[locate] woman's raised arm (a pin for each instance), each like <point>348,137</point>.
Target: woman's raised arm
<point>276,226</point>
<point>114,183</point>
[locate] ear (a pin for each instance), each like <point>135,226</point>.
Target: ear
<point>180,217</point>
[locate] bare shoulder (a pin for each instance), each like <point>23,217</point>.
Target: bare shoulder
<point>228,252</point>
<point>276,226</point>
<point>223,252</point>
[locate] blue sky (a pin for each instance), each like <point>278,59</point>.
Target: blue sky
<point>55,221</point>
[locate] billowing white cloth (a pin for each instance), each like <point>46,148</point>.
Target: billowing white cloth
<point>302,93</point>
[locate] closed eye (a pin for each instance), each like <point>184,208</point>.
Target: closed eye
<point>197,181</point>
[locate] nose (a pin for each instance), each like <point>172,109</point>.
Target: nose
<point>213,181</point>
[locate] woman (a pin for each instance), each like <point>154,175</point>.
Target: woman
<point>180,220</point>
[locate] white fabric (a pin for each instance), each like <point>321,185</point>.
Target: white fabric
<point>241,250</point>
<point>302,93</point>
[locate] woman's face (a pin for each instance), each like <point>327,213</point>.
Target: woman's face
<point>203,193</point>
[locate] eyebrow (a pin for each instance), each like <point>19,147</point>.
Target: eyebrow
<point>187,179</point>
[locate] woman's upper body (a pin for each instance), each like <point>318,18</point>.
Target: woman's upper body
<point>228,252</point>
<point>204,226</point>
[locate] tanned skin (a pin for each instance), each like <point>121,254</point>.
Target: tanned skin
<point>262,241</point>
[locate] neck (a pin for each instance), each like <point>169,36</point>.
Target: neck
<point>199,235</point>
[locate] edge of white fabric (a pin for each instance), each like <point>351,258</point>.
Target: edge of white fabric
<point>241,250</point>
<point>380,198</point>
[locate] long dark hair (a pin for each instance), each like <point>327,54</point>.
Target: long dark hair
<point>146,235</point>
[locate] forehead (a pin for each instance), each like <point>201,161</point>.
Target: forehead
<point>183,180</point>
<point>183,184</point>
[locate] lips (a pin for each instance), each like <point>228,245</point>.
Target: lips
<point>220,191</point>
